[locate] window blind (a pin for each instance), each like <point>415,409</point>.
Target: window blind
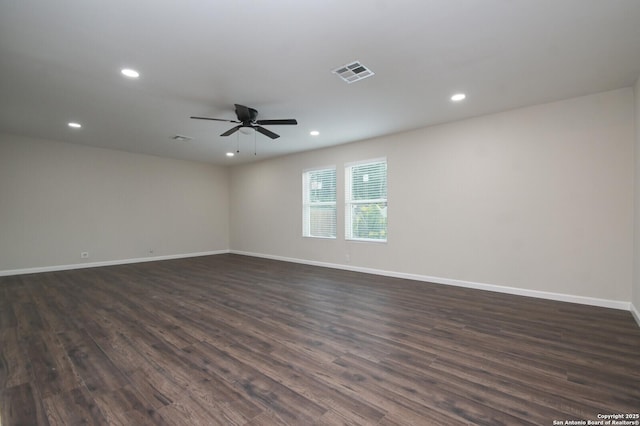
<point>319,203</point>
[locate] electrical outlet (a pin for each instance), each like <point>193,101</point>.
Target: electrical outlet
<point>84,255</point>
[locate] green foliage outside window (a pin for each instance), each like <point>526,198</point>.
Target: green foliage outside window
<point>370,221</point>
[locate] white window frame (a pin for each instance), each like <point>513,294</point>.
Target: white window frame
<point>348,232</point>
<point>307,204</point>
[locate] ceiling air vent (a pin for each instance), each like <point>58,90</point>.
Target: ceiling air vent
<point>353,72</point>
<point>181,138</point>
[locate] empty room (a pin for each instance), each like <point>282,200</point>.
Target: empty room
<point>270,212</point>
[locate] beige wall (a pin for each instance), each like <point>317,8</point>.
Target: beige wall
<point>539,198</point>
<point>636,257</point>
<point>58,200</point>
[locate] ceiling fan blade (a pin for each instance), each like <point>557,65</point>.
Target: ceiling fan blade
<point>231,131</point>
<point>272,122</point>
<point>243,113</point>
<point>267,132</point>
<point>215,119</point>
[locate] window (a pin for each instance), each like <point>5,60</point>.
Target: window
<point>319,203</point>
<point>366,200</point>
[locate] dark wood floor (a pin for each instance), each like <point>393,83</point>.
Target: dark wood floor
<point>234,340</point>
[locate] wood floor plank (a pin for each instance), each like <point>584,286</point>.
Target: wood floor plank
<point>190,410</point>
<point>236,340</point>
<point>125,406</point>
<point>14,365</point>
<point>7,315</point>
<point>425,391</point>
<point>90,363</point>
<point>50,367</point>
<point>19,406</point>
<point>153,388</point>
<point>260,389</point>
<point>74,407</point>
<point>291,372</point>
<point>520,383</point>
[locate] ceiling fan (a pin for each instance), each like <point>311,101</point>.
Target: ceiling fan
<point>247,118</point>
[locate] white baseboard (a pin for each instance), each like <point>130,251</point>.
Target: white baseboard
<point>592,301</point>
<point>106,263</point>
<point>635,313</point>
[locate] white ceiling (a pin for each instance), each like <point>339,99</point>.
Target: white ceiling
<point>60,61</point>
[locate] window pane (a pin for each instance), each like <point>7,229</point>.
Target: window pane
<point>322,185</point>
<point>369,221</point>
<point>369,181</point>
<point>322,221</point>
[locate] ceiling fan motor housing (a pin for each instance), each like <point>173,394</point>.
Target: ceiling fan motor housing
<point>246,115</point>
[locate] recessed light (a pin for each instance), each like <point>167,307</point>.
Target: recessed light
<point>74,125</point>
<point>128,72</point>
<point>314,133</point>
<point>458,97</point>
<point>230,154</point>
